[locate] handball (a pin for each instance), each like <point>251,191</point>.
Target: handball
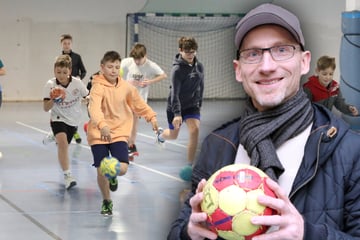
<point>57,94</point>
<point>110,167</point>
<point>230,201</point>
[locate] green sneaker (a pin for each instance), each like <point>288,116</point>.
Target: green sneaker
<point>106,208</point>
<point>77,137</point>
<point>113,184</point>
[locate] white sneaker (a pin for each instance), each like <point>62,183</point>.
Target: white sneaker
<point>69,181</point>
<point>1,154</point>
<point>159,139</point>
<point>49,138</point>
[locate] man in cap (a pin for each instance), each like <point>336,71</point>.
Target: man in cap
<point>311,157</point>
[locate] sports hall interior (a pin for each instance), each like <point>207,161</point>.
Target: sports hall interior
<point>33,202</point>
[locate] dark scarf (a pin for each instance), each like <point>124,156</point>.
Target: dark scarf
<point>261,133</point>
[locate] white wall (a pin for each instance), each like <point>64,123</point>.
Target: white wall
<point>30,32</point>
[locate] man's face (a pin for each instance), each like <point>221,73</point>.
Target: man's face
<point>111,70</point>
<point>325,76</point>
<point>269,83</point>
<point>66,45</point>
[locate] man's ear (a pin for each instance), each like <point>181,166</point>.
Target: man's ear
<point>237,70</point>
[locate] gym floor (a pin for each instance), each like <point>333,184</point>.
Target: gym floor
<point>34,204</point>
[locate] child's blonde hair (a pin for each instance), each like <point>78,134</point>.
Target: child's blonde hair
<point>325,62</point>
<point>63,61</point>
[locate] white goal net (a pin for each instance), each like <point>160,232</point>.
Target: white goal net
<point>215,37</point>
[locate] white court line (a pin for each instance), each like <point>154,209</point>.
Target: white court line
<point>133,163</point>
<point>167,142</point>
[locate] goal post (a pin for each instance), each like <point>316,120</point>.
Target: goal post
<point>160,32</point>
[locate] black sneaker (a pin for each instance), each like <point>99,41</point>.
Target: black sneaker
<point>132,151</point>
<point>106,208</point>
<point>113,184</point>
<point>77,137</point>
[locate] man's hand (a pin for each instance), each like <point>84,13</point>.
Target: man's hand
<point>196,228</point>
<point>288,223</point>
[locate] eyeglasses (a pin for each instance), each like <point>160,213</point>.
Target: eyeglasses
<point>278,53</point>
<point>192,52</point>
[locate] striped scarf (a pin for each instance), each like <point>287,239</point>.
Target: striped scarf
<point>261,133</point>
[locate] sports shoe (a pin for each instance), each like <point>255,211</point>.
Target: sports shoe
<point>69,181</point>
<point>77,137</point>
<point>159,139</point>
<point>49,138</point>
<point>132,151</point>
<point>106,208</point>
<point>113,184</point>
<point>1,154</point>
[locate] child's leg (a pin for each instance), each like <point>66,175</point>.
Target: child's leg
<point>119,150</point>
<point>171,133</point>
<point>193,126</point>
<point>103,183</point>
<point>63,150</point>
<point>63,135</point>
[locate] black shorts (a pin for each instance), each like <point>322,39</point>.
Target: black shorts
<point>117,150</point>
<point>58,127</point>
<point>185,114</point>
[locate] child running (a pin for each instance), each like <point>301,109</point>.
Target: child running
<point>140,72</point>
<point>112,104</point>
<point>64,114</point>
<point>185,99</point>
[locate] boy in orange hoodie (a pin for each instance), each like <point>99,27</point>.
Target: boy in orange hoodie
<point>111,106</point>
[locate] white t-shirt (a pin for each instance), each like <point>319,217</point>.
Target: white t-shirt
<point>148,70</point>
<point>290,155</point>
<point>69,110</point>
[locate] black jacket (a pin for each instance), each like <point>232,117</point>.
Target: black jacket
<point>78,68</point>
<point>187,85</point>
<point>326,189</point>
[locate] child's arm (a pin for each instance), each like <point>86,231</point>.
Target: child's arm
<point>342,106</point>
<point>47,104</point>
<point>95,112</point>
<point>140,107</point>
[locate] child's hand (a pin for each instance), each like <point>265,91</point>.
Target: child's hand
<point>353,110</point>
<point>105,134</point>
<point>85,100</point>
<point>155,126</point>
<point>177,122</point>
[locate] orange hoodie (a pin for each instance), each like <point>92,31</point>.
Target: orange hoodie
<point>113,106</point>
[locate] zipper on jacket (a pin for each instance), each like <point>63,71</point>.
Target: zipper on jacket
<point>316,167</point>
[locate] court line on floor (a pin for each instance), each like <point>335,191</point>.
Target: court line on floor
<point>31,219</point>
<point>133,163</point>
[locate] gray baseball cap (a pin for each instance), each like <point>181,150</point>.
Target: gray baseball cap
<point>268,13</point>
